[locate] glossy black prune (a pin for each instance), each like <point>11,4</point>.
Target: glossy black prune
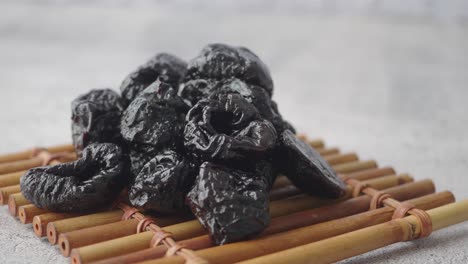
<point>96,118</point>
<point>220,62</point>
<point>154,119</point>
<point>138,159</point>
<point>231,204</point>
<point>227,128</point>
<point>255,95</point>
<point>194,90</point>
<point>163,183</point>
<point>307,169</point>
<point>280,123</point>
<point>92,182</point>
<point>165,66</point>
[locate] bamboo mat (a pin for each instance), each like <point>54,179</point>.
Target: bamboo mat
<point>106,238</point>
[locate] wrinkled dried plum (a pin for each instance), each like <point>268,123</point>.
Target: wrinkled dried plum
<point>92,182</point>
<point>307,169</point>
<point>138,159</point>
<point>231,204</point>
<point>279,122</point>
<point>264,169</point>
<point>96,118</point>
<point>220,62</point>
<point>227,128</point>
<point>194,90</point>
<point>216,145</point>
<point>165,66</point>
<point>154,119</point>
<point>163,183</point>
<point>255,95</point>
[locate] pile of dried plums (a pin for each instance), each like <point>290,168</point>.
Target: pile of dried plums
<point>204,136</point>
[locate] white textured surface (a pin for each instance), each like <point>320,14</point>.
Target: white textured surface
<point>392,88</point>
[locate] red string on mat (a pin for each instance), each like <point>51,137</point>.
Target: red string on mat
<point>402,209</point>
<point>36,150</point>
<point>48,157</point>
<point>144,224</point>
<point>160,236</point>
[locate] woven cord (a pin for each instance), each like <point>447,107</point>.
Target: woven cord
<point>36,151</point>
<point>402,209</point>
<point>48,157</point>
<point>160,236</point>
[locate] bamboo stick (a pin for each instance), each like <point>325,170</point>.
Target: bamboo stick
<point>27,212</point>
<point>61,226</point>
<point>10,178</point>
<point>367,239</point>
<point>37,161</point>
<point>14,201</point>
<point>341,158</point>
<point>316,143</point>
<point>192,229</point>
<point>370,173</point>
<point>364,171</point>
<point>79,238</point>
<point>61,148</point>
<point>243,250</point>
<point>40,221</point>
<point>16,156</point>
<point>283,207</point>
<point>305,233</point>
<point>345,208</point>
<point>355,166</point>
<point>23,155</point>
<point>87,236</point>
<point>284,192</point>
<point>328,151</point>
<point>111,248</point>
<point>20,165</point>
<point>5,192</point>
<point>302,136</point>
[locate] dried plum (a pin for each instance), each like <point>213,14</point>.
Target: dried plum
<point>96,118</point>
<point>227,128</point>
<point>231,204</point>
<point>279,122</point>
<point>154,119</point>
<point>164,66</point>
<point>163,183</point>
<point>194,90</point>
<point>138,159</point>
<point>223,117</point>
<point>255,95</point>
<point>307,169</point>
<point>92,182</point>
<point>220,62</point>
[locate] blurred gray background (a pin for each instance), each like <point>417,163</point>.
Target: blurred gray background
<point>387,79</point>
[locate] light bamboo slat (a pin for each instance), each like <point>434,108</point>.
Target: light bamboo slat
<point>10,178</point>
<point>355,166</point>
<point>192,229</point>
<point>367,239</point>
<point>328,151</point>
<point>244,250</point>
<point>5,193</point>
<point>24,155</point>
<point>40,222</point>
<point>55,228</point>
<point>303,229</point>
<point>87,236</point>
<point>16,200</point>
<point>27,212</point>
